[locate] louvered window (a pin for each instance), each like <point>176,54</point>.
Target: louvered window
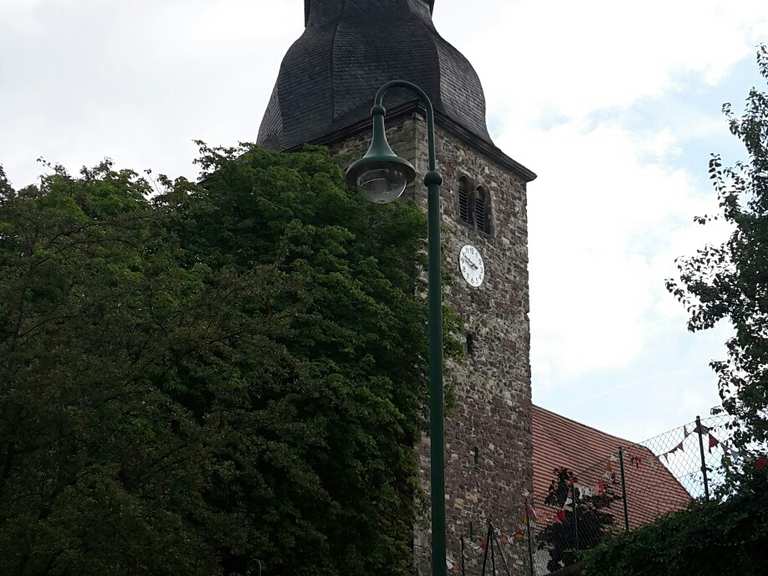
<point>475,206</point>
<point>466,205</point>
<point>483,210</point>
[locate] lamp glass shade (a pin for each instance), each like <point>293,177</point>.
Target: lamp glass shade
<point>383,185</point>
<point>381,174</point>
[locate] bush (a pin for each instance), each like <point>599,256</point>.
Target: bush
<point>708,539</point>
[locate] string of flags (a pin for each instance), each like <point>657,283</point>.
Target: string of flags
<point>712,441</point>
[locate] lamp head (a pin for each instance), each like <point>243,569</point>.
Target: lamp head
<point>381,174</point>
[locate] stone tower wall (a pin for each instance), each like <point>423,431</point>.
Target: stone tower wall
<point>488,429</point>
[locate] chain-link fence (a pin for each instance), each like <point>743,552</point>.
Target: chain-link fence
<point>633,486</point>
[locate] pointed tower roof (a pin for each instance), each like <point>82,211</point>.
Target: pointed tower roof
<point>351,47</point>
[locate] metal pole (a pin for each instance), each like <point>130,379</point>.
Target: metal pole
<point>432,180</point>
<point>703,458</point>
<point>487,543</point>
<point>501,553</point>
<point>530,540</point>
<point>436,414</point>
<point>463,571</point>
<point>492,533</point>
<point>575,515</point>
<point>624,490</point>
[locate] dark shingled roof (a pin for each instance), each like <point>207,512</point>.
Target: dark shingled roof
<point>348,50</point>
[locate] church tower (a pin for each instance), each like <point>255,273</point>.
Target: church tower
<point>323,95</point>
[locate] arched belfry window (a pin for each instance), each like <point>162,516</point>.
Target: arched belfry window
<point>466,201</point>
<point>483,210</point>
<point>475,206</point>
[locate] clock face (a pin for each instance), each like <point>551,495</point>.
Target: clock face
<point>471,265</point>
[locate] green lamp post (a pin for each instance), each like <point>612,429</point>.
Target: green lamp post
<point>383,176</point>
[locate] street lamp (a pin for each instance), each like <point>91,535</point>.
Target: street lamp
<point>383,177</point>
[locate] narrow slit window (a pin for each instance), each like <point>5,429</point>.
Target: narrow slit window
<point>470,338</point>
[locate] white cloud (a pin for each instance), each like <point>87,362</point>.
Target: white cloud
<point>607,220</point>
<point>139,80</point>
<point>596,217</point>
<point>539,57</point>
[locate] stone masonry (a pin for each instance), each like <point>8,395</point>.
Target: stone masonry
<point>488,430</point>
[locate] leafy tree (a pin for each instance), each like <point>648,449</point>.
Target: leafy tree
<point>730,281</point>
<point>203,378</point>
<point>578,527</point>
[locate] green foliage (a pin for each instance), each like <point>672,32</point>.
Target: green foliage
<point>708,539</point>
<point>577,528</point>
<point>202,378</point>
<point>730,281</point>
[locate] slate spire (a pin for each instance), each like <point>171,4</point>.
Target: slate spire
<point>308,7</point>
<point>351,47</point>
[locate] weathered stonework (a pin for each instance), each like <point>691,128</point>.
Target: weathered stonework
<point>488,430</point>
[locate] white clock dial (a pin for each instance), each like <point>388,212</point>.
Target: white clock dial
<point>471,265</point>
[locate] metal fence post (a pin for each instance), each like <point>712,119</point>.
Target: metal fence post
<point>492,539</point>
<point>530,540</point>
<point>501,554</point>
<point>624,489</point>
<point>485,552</point>
<point>575,515</point>
<point>700,431</point>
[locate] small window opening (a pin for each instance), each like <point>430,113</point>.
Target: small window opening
<point>470,344</point>
<point>476,456</point>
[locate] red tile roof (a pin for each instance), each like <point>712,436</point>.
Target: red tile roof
<point>559,442</point>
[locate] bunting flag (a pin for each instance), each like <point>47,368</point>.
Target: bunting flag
<point>701,429</point>
<point>636,461</point>
<point>761,463</point>
<point>713,442</point>
<point>685,432</point>
<point>561,516</point>
<point>676,448</point>
<point>680,446</point>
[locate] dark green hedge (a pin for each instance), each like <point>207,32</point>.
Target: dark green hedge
<point>713,539</point>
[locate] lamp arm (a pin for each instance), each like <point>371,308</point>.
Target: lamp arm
<point>379,101</point>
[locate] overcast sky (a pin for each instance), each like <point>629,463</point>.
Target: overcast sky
<point>615,104</point>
